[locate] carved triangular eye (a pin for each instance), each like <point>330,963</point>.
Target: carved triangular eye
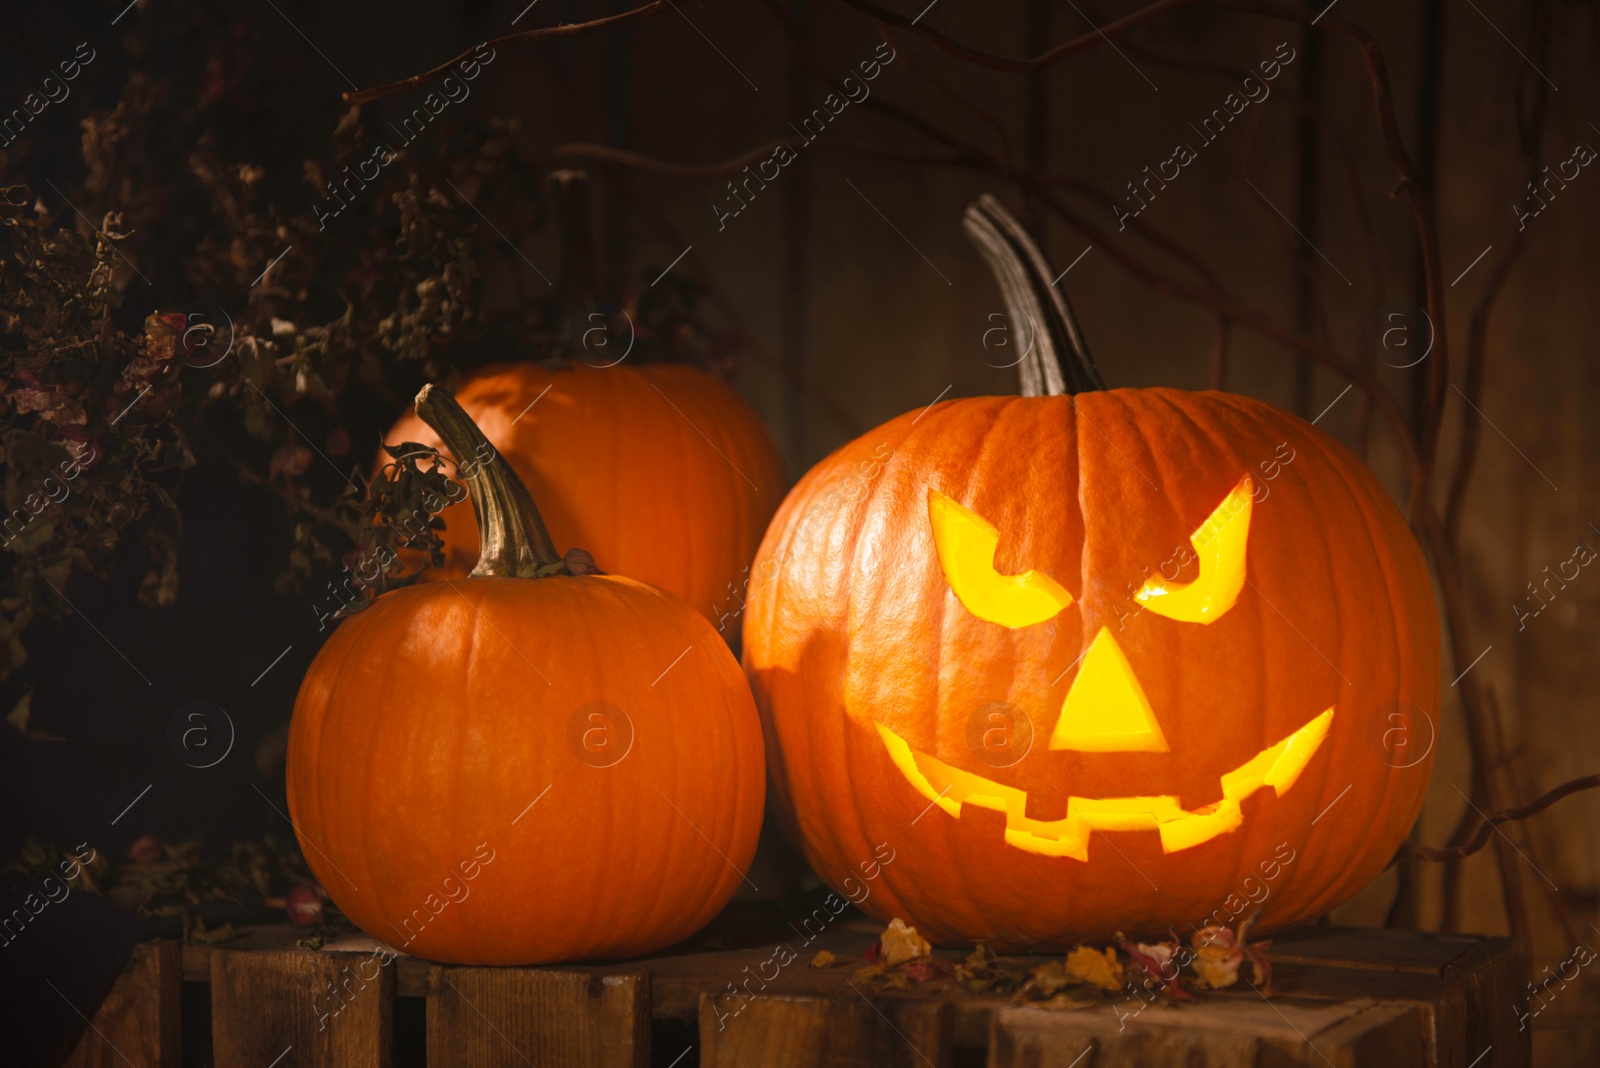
<point>966,543</point>
<point>1220,544</point>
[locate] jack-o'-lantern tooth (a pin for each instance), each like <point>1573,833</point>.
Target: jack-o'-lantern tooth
<point>952,789</point>
<point>1106,710</point>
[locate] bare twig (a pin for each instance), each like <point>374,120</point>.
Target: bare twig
<point>1383,103</point>
<point>638,161</point>
<point>1487,826</point>
<point>1487,754</point>
<point>547,33</point>
<point>983,115</point>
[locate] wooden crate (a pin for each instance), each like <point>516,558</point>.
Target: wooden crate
<point>1343,998</point>
<point>138,1021</point>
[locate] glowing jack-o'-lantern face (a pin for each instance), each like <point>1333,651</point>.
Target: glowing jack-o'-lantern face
<point>1106,710</point>
<point>1088,663</point>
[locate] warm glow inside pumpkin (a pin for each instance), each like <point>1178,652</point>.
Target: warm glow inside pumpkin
<point>1106,710</point>
<point>1093,664</point>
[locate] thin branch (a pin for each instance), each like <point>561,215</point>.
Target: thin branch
<point>968,157</point>
<point>1217,298</point>
<point>1419,455</point>
<point>1530,129</point>
<point>983,115</point>
<point>624,158</point>
<point>1067,49</point>
<point>797,41</point>
<point>571,29</point>
<point>1250,318</point>
<point>1346,161</point>
<point>971,157</point>
<point>1481,839</point>
<point>1472,416</point>
<point>1137,226</point>
<point>1051,56</point>
<point>638,161</point>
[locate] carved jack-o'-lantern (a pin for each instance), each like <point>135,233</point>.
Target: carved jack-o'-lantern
<point>1109,661</point>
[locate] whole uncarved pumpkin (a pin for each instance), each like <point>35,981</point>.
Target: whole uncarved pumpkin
<point>662,472</point>
<point>528,765</point>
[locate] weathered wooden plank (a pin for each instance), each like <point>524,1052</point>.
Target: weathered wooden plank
<point>1035,1038</point>
<point>1490,986</point>
<point>1469,1007</point>
<point>679,977</point>
<point>411,973</point>
<point>1229,1032</point>
<point>819,1032</point>
<point>488,1017</point>
<point>1388,1033</point>
<point>333,1010</point>
<point>1385,997</point>
<point>1380,949</point>
<point>138,1021</point>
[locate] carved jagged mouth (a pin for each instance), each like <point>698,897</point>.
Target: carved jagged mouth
<point>950,788</point>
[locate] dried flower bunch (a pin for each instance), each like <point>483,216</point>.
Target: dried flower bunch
<point>86,419</point>
<point>222,313</point>
<point>174,881</point>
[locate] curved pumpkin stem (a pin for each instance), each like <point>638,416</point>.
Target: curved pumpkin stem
<point>513,539</point>
<point>1058,359</point>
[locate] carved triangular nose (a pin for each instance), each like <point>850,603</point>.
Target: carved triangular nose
<point>1106,710</point>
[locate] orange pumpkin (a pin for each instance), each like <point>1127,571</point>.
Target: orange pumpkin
<point>532,764</point>
<point>662,472</point>
<point>1117,661</point>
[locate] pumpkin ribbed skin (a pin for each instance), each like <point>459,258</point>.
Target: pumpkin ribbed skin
<point>429,722</point>
<point>662,472</point>
<point>851,620</point>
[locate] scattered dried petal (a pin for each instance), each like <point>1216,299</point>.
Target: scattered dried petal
<point>1050,978</point>
<point>924,969</point>
<point>823,959</point>
<point>306,904</point>
<point>146,849</point>
<point>901,942</point>
<point>1089,966</point>
<point>1160,952</point>
<point>1217,957</point>
<point>1160,962</point>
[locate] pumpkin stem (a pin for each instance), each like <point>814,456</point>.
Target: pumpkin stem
<point>1057,360</point>
<point>513,540</point>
